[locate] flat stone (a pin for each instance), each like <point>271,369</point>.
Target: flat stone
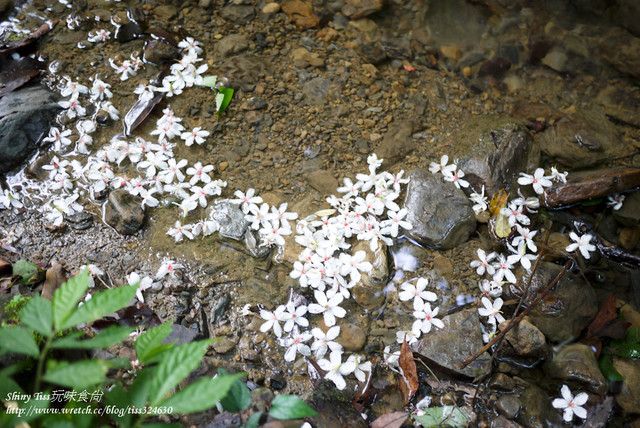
<point>232,44</point>
<point>629,214</point>
<point>300,13</point>
<point>356,9</point>
<point>622,51</point>
<point>323,181</point>
<point>577,363</point>
<point>526,339</point>
<point>508,405</point>
<point>26,115</point>
<point>352,337</point>
<point>222,345</point>
<point>397,142</point>
<point>629,396</point>
<point>460,338</point>
<point>582,140</point>
<point>271,8</point>
<point>570,308</point>
<point>333,407</point>
<point>303,58</point>
<point>440,213</point>
<point>537,410</point>
<point>124,212</point>
<point>237,13</point>
<point>181,335</point>
<point>316,91</point>
<point>492,150</point>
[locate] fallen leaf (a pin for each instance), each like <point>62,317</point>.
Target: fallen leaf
<point>35,35</point>
<point>606,324</point>
<point>498,201</point>
<point>56,275</point>
<point>408,383</point>
<point>300,13</point>
<point>390,420</point>
<point>139,112</point>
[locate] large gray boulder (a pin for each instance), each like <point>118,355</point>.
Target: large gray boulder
<point>25,117</point>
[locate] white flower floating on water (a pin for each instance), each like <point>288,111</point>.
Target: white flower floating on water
<point>615,201</point>
<point>492,310</point>
<point>582,243</point>
<point>571,405</point>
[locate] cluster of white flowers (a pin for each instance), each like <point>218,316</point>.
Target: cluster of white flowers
<point>127,67</point>
<point>425,316</point>
<point>539,181</point>
<point>450,172</point>
<point>327,266</point>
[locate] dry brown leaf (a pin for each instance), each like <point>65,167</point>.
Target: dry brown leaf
<point>56,275</point>
<point>300,13</point>
<point>5,268</point>
<point>390,420</point>
<point>408,383</point>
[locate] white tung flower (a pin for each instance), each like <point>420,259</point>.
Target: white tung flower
<point>336,369</point>
<point>582,243</point>
<point>571,405</point>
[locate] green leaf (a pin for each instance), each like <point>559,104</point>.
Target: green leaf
<point>202,394</point>
<point>139,391</point>
<point>238,398</point>
<point>210,81</point>
<point>37,315</point>
<point>290,407</point>
<point>109,336</point>
<point>79,375</point>
<point>66,298</point>
<point>119,398</point>
<point>100,305</point>
<point>592,202</point>
<point>19,340</point>
<point>223,99</point>
<point>608,370</point>
<point>8,385</point>
<point>254,420</point>
<point>176,364</point>
<point>446,416</point>
<point>25,270</point>
<point>148,344</point>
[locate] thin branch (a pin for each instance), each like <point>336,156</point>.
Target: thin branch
<point>516,320</point>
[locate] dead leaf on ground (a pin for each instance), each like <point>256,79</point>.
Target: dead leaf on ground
<point>56,275</point>
<point>35,35</point>
<point>408,382</point>
<point>605,324</point>
<point>300,13</point>
<point>390,420</point>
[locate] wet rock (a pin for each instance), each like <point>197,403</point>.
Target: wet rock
<point>622,51</point>
<point>245,69</point>
<point>440,213</point>
<point>237,13</point>
<point>556,60</point>
<point>156,51</point>
<point>300,13</point>
<point>127,32</point>
<point>80,221</point>
<point>181,334</point>
<point>230,217</point>
<point>165,12</point>
<point>592,184</point>
<point>254,245</point>
<point>582,140</point>
<point>629,237</point>
<point>629,396</point>
<point>538,411</point>
<point>316,91</point>
<point>492,150</point>
<point>232,44</point>
<point>323,181</point>
<point>495,67</point>
<point>397,142</point>
<point>124,212</point>
<point>569,309</point>
<point>303,58</point>
<point>577,363</point>
<point>368,292</point>
<point>333,408</point>
<point>271,8</point>
<point>25,116</point>
<point>460,338</point>
<point>526,340</point>
<point>629,214</point>
<point>356,9</point>
<point>502,382</point>
<point>536,115</point>
<point>508,405</point>
<point>621,104</point>
<point>352,337</point>
<point>222,345</point>
<point>373,52</point>
<point>502,422</point>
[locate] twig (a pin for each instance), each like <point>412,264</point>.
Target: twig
<point>516,320</point>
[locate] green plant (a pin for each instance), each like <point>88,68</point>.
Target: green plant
<point>13,307</point>
<point>223,94</point>
<point>150,393</point>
